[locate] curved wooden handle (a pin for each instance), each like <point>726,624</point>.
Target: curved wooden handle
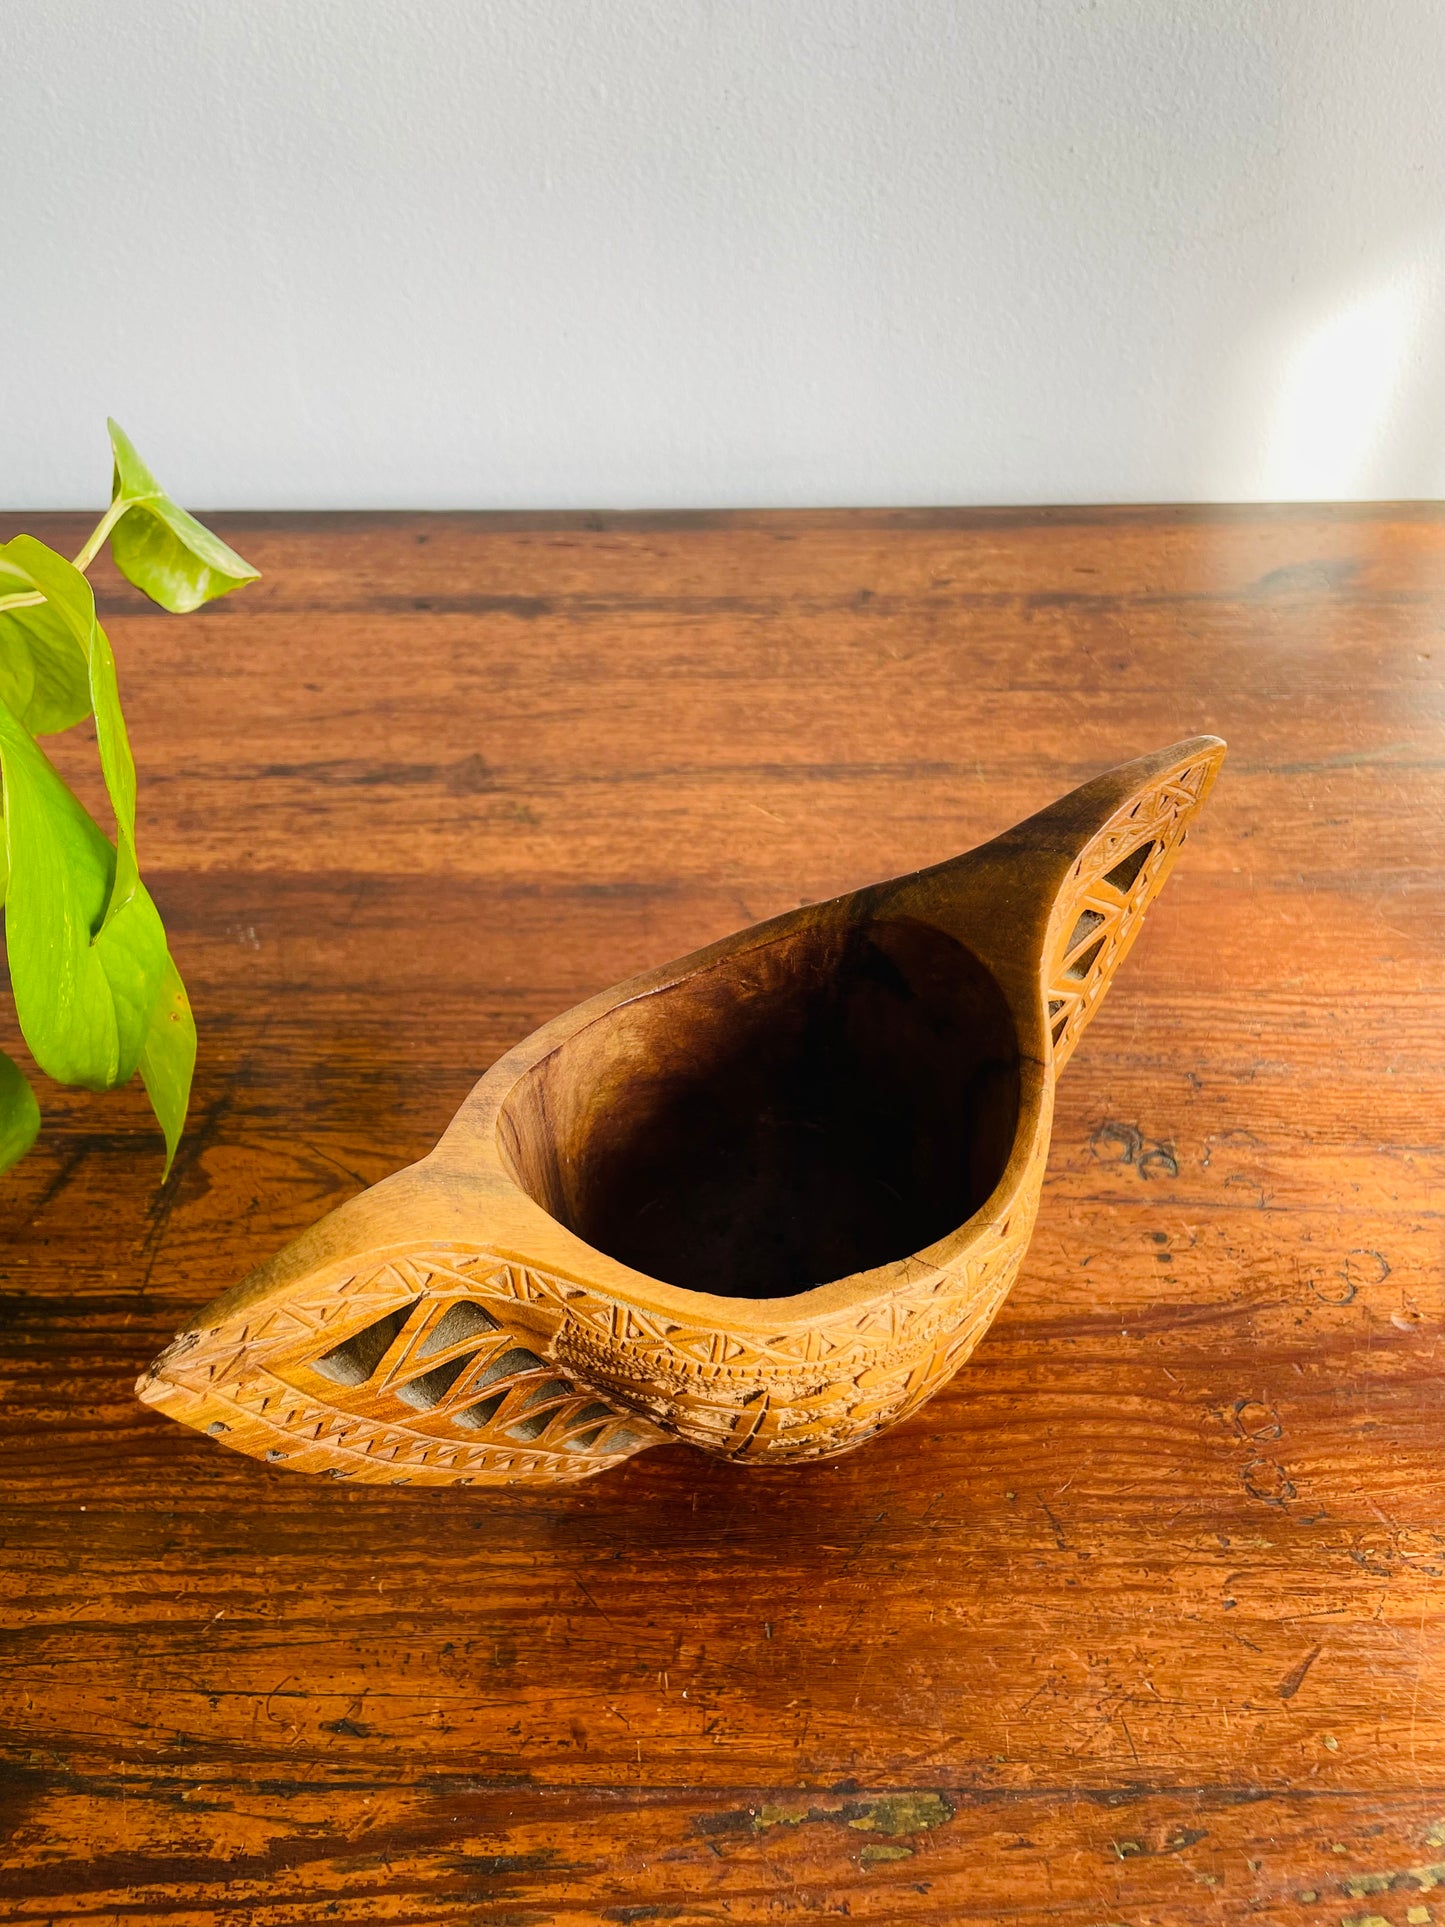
<point>1120,869</point>
<point>1053,904</point>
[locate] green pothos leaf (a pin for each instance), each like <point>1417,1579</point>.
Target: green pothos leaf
<point>44,675</point>
<point>69,599</point>
<point>19,1113</point>
<point>168,1057</point>
<point>96,991</point>
<point>165,552</point>
<point>86,968</point>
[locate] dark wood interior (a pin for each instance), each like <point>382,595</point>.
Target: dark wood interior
<point>831,1100</point>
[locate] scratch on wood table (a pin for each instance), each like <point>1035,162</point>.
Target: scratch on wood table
<point>1138,1622</point>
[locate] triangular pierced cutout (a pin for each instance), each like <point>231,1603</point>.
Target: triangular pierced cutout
<point>1089,922</point>
<point>1081,966</point>
<point>548,1394</point>
<point>528,1429</point>
<point>432,1387</point>
<point>590,1414</point>
<point>1124,875</point>
<point>480,1414</point>
<point>460,1321</point>
<point>510,1365</point>
<point>353,1361</point>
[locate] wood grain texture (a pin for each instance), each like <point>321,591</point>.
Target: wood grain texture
<point>1137,1622</point>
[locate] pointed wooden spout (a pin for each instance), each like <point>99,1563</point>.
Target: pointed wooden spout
<point>765,1200</point>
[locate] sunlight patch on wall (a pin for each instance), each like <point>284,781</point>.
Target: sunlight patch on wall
<point>1341,390</point>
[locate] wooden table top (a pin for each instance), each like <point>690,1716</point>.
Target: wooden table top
<point>1138,1622</point>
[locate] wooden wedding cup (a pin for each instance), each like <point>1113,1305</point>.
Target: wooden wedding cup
<point>765,1200</point>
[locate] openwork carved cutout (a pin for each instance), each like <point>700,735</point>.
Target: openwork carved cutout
<point>1124,875</point>
<point>484,1405</point>
<point>1107,893</point>
<point>503,1347</point>
<point>355,1359</point>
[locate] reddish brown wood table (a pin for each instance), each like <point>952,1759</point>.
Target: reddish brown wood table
<point>1139,1622</point>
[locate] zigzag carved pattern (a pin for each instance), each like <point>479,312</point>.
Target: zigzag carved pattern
<point>403,1375</point>
<point>1101,907</point>
<point>460,1367</point>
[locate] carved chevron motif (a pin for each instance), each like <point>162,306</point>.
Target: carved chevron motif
<point>1112,883</point>
<point>419,1371</point>
<point>408,1374</point>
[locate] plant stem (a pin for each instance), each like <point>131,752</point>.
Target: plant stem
<point>101,530</point>
<point>26,601</point>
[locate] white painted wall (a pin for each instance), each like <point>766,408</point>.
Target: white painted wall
<point>693,252</point>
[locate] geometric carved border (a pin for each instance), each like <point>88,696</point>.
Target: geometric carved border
<point>1100,908</point>
<point>459,1366</point>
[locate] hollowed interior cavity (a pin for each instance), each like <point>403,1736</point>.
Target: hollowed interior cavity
<point>824,1103</point>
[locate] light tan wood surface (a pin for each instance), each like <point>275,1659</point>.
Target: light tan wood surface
<point>1138,1621</point>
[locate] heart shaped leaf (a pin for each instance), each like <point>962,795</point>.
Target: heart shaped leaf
<point>44,676</point>
<point>19,1113</point>
<point>86,969</point>
<point>70,604</point>
<point>165,552</point>
<point>168,1057</point>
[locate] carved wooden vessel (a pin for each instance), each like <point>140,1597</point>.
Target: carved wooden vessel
<point>765,1200</point>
